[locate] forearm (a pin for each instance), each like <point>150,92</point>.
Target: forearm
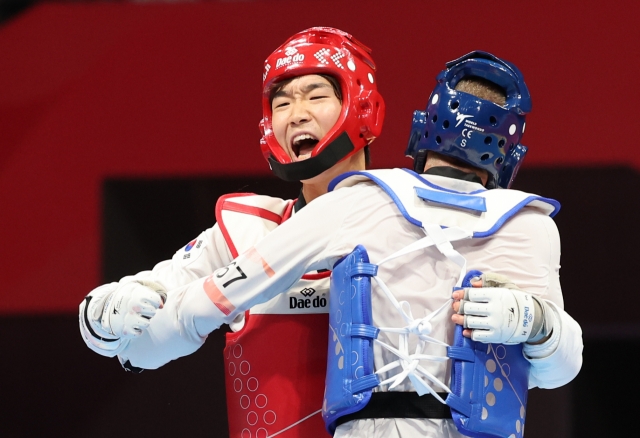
<point>205,254</point>
<point>171,334</point>
<point>199,258</point>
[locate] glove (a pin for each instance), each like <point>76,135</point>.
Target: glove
<point>128,312</point>
<point>498,315</point>
<point>499,312</point>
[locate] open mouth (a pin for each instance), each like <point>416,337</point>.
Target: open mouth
<point>303,144</point>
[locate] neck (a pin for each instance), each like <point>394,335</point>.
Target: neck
<point>312,191</point>
<point>317,186</point>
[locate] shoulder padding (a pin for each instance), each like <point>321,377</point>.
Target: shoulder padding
<point>245,218</point>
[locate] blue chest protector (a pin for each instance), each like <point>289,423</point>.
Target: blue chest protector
<point>488,390</point>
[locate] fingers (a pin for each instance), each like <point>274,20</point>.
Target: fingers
<point>147,299</point>
<point>485,336</point>
<point>475,334</point>
<point>477,322</point>
<point>134,325</point>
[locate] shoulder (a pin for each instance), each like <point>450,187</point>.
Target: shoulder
<point>251,199</point>
<point>253,205</point>
<point>532,224</point>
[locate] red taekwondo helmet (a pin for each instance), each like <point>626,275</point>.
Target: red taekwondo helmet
<point>328,51</point>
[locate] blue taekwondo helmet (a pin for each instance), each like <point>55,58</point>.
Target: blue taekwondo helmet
<point>476,131</point>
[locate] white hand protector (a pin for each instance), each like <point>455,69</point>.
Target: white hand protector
<point>498,314</point>
<point>128,312</point>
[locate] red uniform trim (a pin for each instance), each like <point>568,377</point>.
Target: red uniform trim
<point>254,211</point>
<point>288,210</point>
<point>219,207</point>
<point>218,299</point>
<point>317,276</point>
<point>252,254</point>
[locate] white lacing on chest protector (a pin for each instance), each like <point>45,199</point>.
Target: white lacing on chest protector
<point>421,327</point>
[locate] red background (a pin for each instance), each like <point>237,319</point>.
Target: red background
<point>92,91</point>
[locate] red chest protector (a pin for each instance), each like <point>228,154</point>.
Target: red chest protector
<point>275,364</point>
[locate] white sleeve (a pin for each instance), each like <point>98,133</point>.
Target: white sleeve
<point>558,360</point>
<point>197,259</point>
<point>272,266</point>
<point>527,250</point>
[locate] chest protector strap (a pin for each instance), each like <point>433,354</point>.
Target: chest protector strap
<point>489,383</point>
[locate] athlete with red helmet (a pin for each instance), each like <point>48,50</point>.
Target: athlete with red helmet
<point>321,111</point>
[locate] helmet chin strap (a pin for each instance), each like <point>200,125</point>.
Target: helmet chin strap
<point>333,153</point>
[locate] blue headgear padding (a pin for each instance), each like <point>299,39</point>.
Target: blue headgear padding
<point>489,384</point>
<point>476,131</point>
<point>350,376</point>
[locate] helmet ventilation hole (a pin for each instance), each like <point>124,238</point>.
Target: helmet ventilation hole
<point>484,157</point>
<point>426,134</point>
<point>445,124</point>
<point>499,160</point>
<point>488,140</point>
<point>493,120</point>
<point>435,118</point>
<point>501,143</point>
<point>454,105</point>
<point>438,139</point>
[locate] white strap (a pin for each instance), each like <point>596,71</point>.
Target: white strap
<point>450,235</point>
<point>410,363</point>
<point>443,243</point>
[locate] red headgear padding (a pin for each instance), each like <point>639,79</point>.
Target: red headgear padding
<point>328,51</point>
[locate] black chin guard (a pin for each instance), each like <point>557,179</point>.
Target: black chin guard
<point>314,166</point>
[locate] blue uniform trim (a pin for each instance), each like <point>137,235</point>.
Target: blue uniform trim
<point>466,202</point>
<point>455,200</point>
<point>515,210</point>
<point>384,186</point>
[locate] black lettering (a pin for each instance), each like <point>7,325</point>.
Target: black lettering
<point>292,302</point>
<point>242,276</point>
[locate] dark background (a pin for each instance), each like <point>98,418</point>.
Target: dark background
<point>122,122</point>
